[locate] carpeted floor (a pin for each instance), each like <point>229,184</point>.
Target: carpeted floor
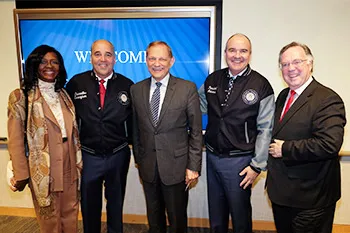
<point>14,224</point>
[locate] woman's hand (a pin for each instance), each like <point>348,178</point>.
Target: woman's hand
<point>13,184</point>
<point>18,185</point>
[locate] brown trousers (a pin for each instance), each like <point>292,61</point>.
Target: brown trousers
<point>65,204</point>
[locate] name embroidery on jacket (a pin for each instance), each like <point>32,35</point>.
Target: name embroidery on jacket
<point>80,95</point>
<point>212,90</point>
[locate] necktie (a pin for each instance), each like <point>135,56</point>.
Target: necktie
<point>289,103</point>
<point>230,86</point>
<point>102,92</point>
<point>155,100</point>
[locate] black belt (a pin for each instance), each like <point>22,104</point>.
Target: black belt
<point>102,152</point>
<point>64,139</point>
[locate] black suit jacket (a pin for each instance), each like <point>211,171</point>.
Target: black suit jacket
<point>176,142</point>
<point>308,174</point>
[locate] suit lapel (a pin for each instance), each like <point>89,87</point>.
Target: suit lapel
<point>146,96</point>
<point>279,107</point>
<point>167,98</point>
<point>68,118</point>
<point>296,106</point>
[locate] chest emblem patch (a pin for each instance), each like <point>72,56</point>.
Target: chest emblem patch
<point>250,96</point>
<point>123,98</point>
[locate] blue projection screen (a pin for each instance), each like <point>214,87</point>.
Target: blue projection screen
<point>189,37</point>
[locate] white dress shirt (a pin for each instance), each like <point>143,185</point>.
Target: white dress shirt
<point>298,92</point>
<point>163,88</point>
<point>106,80</point>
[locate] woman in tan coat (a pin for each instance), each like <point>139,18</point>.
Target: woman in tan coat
<point>53,162</point>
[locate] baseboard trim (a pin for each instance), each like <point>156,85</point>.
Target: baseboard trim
<point>142,219</point>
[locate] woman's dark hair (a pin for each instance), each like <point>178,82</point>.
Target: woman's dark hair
<point>32,64</point>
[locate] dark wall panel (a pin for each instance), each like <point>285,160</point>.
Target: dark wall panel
<point>111,3</point>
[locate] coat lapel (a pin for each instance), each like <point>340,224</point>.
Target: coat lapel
<point>279,107</point>
<point>68,118</point>
<point>146,96</point>
<point>167,98</point>
<point>297,105</point>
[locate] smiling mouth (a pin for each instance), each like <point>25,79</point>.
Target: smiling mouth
<point>293,76</point>
<point>236,61</point>
<point>49,72</point>
<point>157,69</point>
<point>103,65</point>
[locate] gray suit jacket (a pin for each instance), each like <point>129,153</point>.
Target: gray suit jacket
<point>176,142</point>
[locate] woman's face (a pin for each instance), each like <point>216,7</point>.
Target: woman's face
<point>49,67</point>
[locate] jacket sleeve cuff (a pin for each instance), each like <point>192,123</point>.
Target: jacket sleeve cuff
<point>256,169</point>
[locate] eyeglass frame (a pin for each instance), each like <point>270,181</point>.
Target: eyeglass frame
<point>295,62</point>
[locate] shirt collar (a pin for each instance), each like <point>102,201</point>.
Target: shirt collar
<point>164,81</point>
<point>244,72</point>
<point>106,79</point>
<point>304,86</point>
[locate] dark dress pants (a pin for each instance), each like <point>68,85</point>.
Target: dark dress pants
<point>295,220</point>
<point>110,170</point>
<point>225,196</point>
<point>172,199</point>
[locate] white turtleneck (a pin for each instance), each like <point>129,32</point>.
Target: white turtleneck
<point>52,99</point>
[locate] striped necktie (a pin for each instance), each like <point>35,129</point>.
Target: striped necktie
<point>230,86</point>
<point>154,104</point>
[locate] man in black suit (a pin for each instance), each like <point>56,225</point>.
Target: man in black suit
<point>303,180</point>
<point>102,102</point>
<point>167,139</point>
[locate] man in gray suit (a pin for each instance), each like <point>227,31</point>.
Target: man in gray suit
<point>167,139</point>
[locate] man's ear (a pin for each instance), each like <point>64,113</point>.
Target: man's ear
<point>172,61</point>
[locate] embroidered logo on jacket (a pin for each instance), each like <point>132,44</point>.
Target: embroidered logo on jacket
<point>123,98</point>
<point>212,90</point>
<point>250,96</point>
<point>80,95</point>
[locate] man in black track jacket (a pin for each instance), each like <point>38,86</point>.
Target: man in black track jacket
<point>102,101</point>
<point>240,107</point>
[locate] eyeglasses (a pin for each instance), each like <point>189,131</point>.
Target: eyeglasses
<point>296,62</point>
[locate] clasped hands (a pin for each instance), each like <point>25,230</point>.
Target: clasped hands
<point>275,149</point>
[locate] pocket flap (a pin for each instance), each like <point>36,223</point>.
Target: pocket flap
<point>181,152</point>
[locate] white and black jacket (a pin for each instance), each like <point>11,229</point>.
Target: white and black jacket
<point>242,125</point>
